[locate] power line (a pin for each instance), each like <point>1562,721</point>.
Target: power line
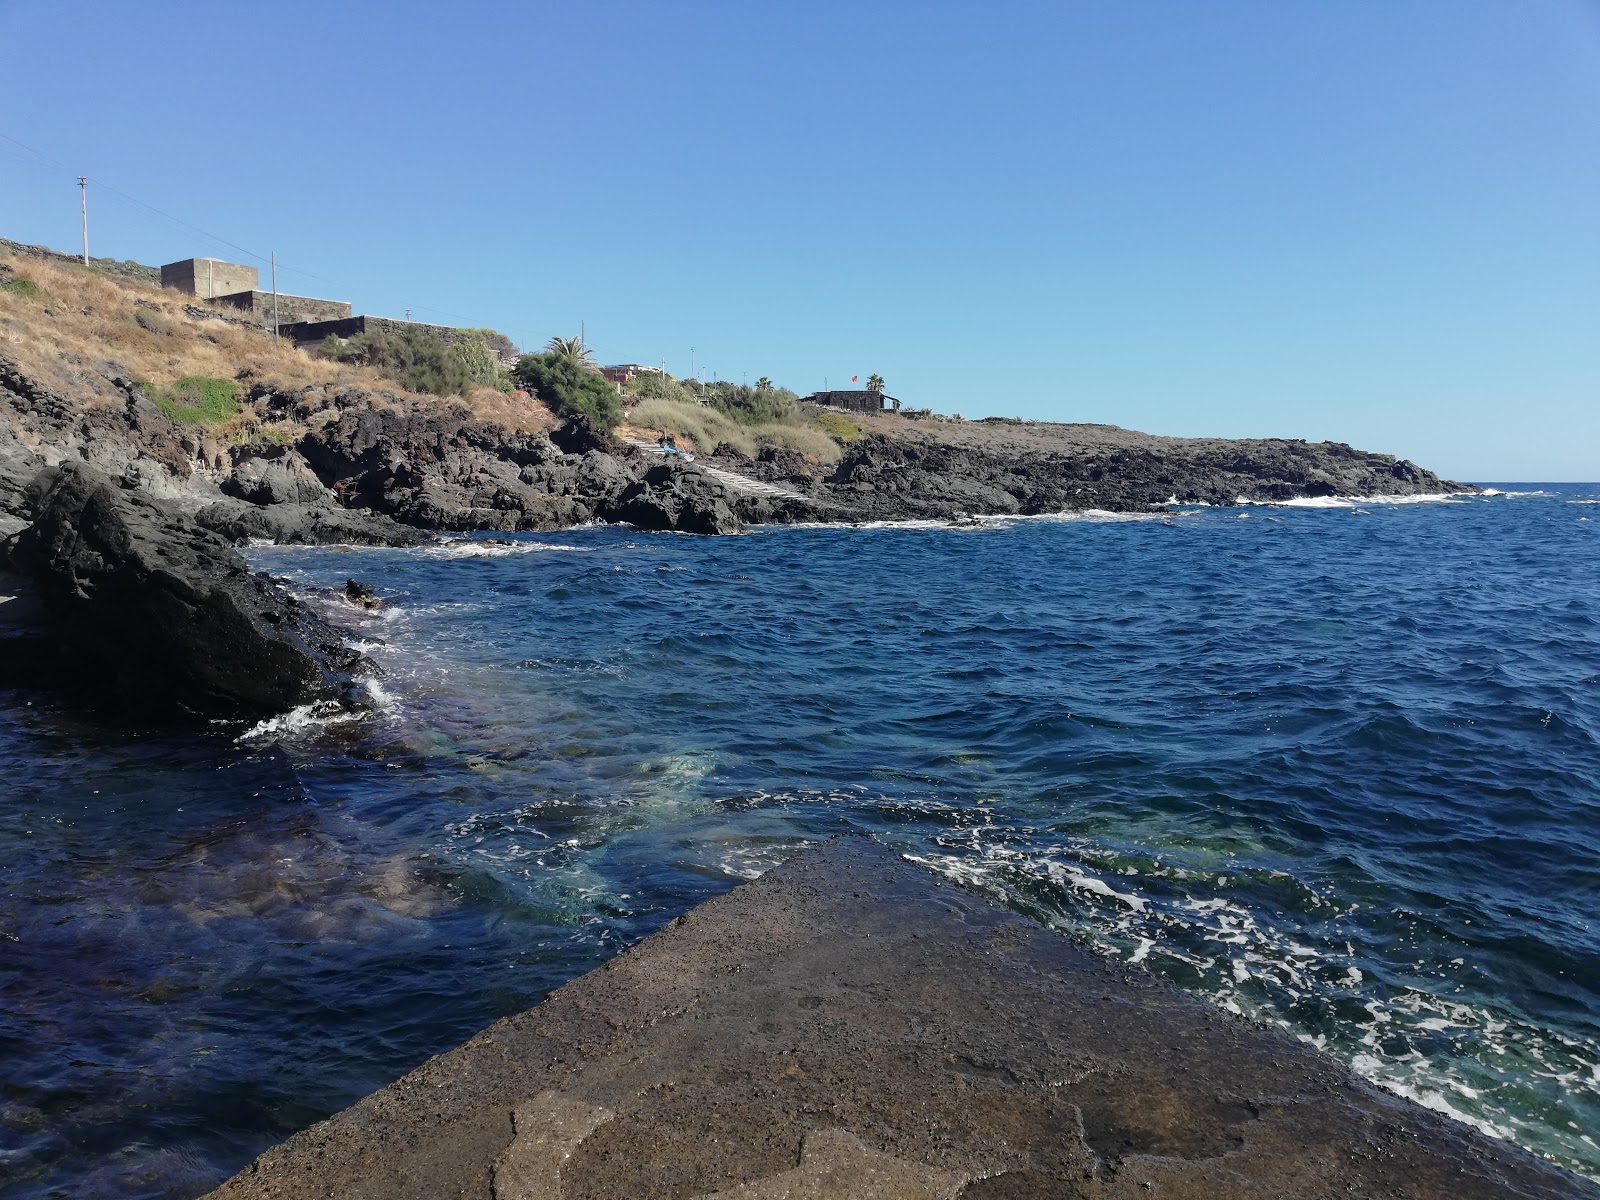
<point>193,228</point>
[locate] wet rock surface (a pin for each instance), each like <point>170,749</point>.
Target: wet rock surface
<point>153,614</point>
<point>848,1025</point>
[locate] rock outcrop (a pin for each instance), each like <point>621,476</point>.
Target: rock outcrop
<point>1045,469</point>
<point>154,614</point>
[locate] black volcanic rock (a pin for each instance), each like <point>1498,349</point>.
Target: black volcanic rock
<point>154,614</point>
<point>675,497</point>
<point>306,525</point>
<point>1042,468</point>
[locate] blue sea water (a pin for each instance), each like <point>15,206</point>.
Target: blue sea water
<point>1337,769</point>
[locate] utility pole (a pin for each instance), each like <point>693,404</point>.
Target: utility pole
<point>83,200</point>
<point>692,375</point>
<point>275,332</point>
<point>408,314</point>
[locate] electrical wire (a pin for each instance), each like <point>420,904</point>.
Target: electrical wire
<point>134,200</point>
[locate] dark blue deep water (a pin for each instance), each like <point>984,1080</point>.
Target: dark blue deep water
<point>1338,769</point>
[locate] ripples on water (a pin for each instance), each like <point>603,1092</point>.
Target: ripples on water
<point>1336,770</point>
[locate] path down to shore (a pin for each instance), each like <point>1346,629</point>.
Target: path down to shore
<point>850,1026</point>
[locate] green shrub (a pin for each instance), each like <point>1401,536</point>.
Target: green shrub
<point>754,406</point>
<point>842,428</point>
<point>198,400</point>
<point>421,359</point>
<point>502,347</point>
<point>22,286</point>
<point>570,389</point>
<point>654,386</point>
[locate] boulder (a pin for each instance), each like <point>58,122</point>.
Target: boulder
<point>283,478</point>
<point>155,614</point>
<point>580,435</point>
<point>678,498</point>
<point>306,525</point>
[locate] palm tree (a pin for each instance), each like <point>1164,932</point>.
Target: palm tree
<point>572,349</point>
<point>763,384</point>
<point>875,384</point>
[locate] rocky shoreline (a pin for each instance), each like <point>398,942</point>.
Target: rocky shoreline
<point>368,471</point>
<point>124,521</point>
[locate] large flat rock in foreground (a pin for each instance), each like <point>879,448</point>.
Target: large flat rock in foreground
<point>849,1026</point>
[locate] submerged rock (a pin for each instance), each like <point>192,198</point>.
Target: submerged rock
<point>153,613</point>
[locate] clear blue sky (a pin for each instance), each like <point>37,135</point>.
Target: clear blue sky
<point>1376,222</point>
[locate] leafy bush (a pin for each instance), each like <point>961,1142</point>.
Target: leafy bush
<point>754,406</point>
<point>502,347</point>
<point>198,400</point>
<point>654,386</point>
<point>22,286</point>
<point>568,388</point>
<point>421,359</point>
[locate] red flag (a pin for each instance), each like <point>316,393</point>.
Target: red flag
<point>853,378</point>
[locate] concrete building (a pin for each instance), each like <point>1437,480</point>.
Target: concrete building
<point>209,278</point>
<point>623,372</point>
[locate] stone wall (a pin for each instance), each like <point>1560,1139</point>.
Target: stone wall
<point>305,332</point>
<point>111,266</point>
<point>290,309</point>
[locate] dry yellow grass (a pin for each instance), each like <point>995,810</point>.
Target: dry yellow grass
<point>78,319</point>
<point>702,429</point>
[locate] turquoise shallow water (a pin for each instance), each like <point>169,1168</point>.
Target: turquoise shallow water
<point>1338,769</point>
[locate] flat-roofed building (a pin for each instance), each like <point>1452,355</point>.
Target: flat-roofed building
<point>209,278</point>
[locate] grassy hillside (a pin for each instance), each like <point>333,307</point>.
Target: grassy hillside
<point>72,329</point>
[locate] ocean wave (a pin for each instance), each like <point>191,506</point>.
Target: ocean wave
<point>300,721</point>
<point>306,720</point>
<point>1449,1055</point>
<point>978,524</point>
<point>471,548</point>
<point>1356,501</point>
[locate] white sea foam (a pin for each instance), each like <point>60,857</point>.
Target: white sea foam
<point>979,524</point>
<point>1354,501</point>
<point>469,548</point>
<point>1261,972</point>
<point>300,721</point>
